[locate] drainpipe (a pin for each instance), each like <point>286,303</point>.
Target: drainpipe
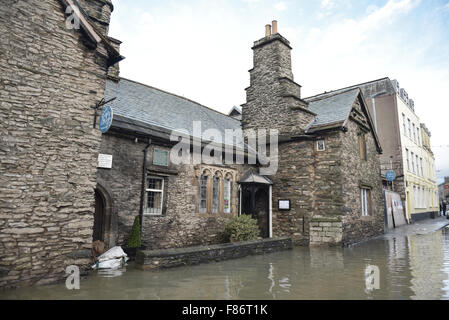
<point>144,178</point>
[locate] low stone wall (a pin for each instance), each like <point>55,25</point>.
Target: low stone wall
<point>326,231</point>
<point>159,259</point>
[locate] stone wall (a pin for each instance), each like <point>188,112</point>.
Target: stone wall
<point>160,259</point>
<point>180,223</point>
<point>326,230</point>
<point>358,173</point>
<point>49,82</point>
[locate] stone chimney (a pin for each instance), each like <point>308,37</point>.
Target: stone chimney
<point>99,13</point>
<point>273,99</point>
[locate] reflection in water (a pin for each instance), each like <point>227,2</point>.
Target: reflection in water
<point>414,267</point>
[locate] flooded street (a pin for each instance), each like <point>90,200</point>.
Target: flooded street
<point>412,266</point>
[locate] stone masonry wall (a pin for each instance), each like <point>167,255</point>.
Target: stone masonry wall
<point>272,94</point>
<point>159,259</point>
<point>359,172</point>
<point>180,224</point>
<point>49,81</point>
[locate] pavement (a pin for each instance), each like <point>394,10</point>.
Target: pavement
<point>419,227</point>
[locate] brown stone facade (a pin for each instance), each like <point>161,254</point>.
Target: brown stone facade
<point>180,224</point>
<point>323,186</point>
<point>50,78</point>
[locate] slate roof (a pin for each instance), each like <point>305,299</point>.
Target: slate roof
<point>331,108</point>
<point>153,106</point>
<point>253,177</point>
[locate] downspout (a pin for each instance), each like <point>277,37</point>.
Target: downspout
<point>144,178</point>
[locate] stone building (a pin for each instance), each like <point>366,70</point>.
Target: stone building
<point>328,174</point>
<point>51,76</point>
<point>63,184</point>
<point>406,146</point>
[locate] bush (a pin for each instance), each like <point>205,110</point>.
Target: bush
<point>134,238</point>
<point>243,228</point>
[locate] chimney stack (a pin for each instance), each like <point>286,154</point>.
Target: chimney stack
<point>275,26</point>
<point>267,30</point>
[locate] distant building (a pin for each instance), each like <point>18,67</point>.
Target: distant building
<point>443,190</point>
<point>405,144</point>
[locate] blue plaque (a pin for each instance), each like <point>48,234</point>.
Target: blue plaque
<point>390,175</point>
<point>106,119</point>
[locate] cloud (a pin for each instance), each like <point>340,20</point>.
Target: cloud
<point>328,4</point>
<point>280,6</point>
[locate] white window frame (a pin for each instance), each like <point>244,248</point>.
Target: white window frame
<point>161,191</point>
<point>323,145</point>
<point>365,201</point>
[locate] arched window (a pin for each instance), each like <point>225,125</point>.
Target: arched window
<point>227,194</point>
<point>215,193</point>
<point>203,193</point>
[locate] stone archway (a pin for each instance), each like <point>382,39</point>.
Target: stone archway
<point>105,223</point>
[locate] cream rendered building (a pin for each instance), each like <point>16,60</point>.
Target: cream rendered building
<point>418,160</point>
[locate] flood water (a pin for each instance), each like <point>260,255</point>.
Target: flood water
<point>410,267</point>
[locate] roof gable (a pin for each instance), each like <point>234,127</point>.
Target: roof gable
<point>92,33</point>
<point>334,110</point>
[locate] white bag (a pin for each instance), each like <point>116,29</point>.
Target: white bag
<point>110,264</point>
<point>113,253</point>
<point>112,259</point>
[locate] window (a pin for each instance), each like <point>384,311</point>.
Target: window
<point>320,146</point>
<point>417,137</point>
<point>417,165</point>
<point>365,200</point>
<point>155,193</point>
<point>414,133</point>
<point>413,162</point>
<point>160,157</point>
<point>203,193</point>
<point>408,160</point>
<point>362,146</point>
<point>422,171</point>
<point>403,124</point>
<point>409,129</point>
<point>227,196</point>
<point>215,194</point>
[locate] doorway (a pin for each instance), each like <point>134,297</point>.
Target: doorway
<point>99,217</point>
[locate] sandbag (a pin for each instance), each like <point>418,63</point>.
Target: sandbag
<point>111,264</point>
<point>113,253</point>
<point>112,259</point>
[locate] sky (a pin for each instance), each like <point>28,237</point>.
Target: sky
<point>201,49</point>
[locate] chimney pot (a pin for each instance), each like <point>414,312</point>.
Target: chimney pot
<point>267,30</point>
<point>275,26</point>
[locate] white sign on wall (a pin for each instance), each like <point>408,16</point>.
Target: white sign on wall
<point>284,204</point>
<point>105,161</point>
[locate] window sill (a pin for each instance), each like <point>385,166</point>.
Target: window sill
<point>152,214</point>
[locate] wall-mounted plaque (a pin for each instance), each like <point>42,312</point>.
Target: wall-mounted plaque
<point>284,205</point>
<point>105,161</point>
